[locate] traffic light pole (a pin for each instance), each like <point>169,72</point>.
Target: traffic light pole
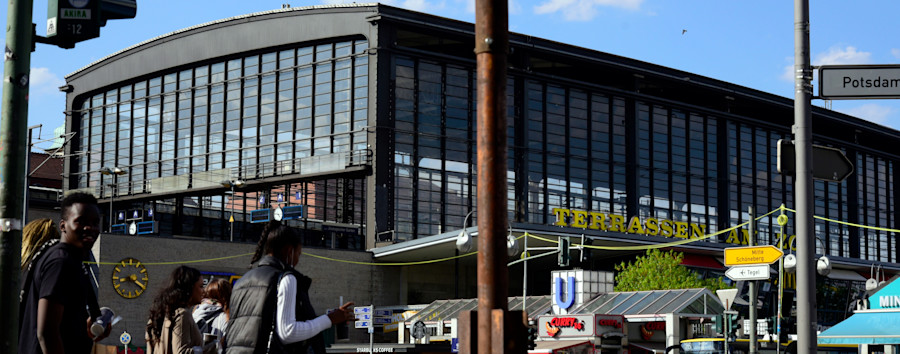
<point>803,182</point>
<point>16,72</point>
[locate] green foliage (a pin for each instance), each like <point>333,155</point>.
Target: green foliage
<point>659,270</point>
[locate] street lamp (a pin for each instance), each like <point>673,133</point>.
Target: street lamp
<point>464,241</point>
<point>231,184</point>
<point>115,172</point>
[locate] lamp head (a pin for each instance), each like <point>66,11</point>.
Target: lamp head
<point>512,245</point>
<point>464,242</point>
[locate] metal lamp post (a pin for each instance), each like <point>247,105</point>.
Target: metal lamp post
<point>115,172</point>
<point>231,184</point>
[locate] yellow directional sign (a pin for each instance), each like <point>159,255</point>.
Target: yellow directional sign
<point>767,254</point>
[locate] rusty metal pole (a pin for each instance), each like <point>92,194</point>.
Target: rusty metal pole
<point>491,48</point>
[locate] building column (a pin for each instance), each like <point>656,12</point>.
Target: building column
<point>673,331</point>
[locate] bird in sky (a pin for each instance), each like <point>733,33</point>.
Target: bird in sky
<point>683,32</point>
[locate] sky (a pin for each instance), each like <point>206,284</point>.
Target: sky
<point>748,43</point>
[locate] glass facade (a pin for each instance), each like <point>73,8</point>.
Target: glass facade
<point>582,153</point>
<point>571,146</point>
<point>259,115</point>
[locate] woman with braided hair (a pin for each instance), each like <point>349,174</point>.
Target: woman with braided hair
<point>270,307</point>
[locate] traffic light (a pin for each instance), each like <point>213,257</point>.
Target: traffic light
<point>787,327</point>
<point>563,255</point>
<point>73,21</point>
<point>731,319</point>
<point>532,337</point>
<point>719,324</point>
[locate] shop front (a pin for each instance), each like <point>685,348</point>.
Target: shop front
<point>631,322</point>
<point>874,329</point>
<point>576,334</point>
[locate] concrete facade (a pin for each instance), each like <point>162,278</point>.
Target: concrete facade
<point>332,278</point>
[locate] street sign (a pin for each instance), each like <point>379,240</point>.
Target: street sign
<point>363,324</point>
<point>382,320</point>
<point>748,272</point>
<point>843,82</point>
<point>364,316</point>
<point>362,309</point>
<point>767,254</point>
<point>829,164</point>
<point>384,313</point>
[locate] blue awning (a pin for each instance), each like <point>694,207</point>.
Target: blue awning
<point>865,328</point>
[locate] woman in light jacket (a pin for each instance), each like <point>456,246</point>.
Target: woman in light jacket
<point>171,329</point>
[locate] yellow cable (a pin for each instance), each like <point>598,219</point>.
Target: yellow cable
<point>847,223</point>
<point>390,264</point>
<point>178,262</point>
<point>526,234</point>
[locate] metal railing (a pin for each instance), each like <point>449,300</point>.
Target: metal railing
<point>334,162</point>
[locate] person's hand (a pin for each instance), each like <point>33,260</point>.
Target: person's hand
<point>211,347</point>
<point>342,314</point>
<point>100,337</point>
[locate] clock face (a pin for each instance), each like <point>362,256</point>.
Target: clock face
<point>130,278</point>
<point>279,214</point>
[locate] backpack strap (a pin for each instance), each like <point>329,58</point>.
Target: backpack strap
<point>275,312</point>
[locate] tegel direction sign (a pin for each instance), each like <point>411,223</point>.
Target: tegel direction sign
<point>767,254</point>
<point>748,272</point>
<point>847,82</point>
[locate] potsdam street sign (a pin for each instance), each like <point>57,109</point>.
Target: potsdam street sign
<point>748,272</point>
<point>767,254</point>
<point>844,82</point>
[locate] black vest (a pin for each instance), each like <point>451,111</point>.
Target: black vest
<point>253,302</point>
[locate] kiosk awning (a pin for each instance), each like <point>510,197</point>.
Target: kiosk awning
<point>649,346</point>
<point>865,328</point>
<point>557,344</point>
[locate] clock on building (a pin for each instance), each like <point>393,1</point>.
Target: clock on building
<point>130,278</point>
<point>279,214</point>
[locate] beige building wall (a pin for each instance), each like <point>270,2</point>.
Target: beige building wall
<point>361,283</point>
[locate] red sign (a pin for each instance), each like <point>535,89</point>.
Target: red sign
<point>608,324</point>
<point>656,326</point>
<point>566,326</point>
<point>567,322</point>
<point>648,328</point>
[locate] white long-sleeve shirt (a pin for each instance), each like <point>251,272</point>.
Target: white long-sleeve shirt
<point>289,329</point>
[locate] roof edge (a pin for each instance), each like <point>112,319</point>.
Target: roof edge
<point>211,23</point>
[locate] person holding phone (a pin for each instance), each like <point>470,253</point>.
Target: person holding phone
<point>270,307</point>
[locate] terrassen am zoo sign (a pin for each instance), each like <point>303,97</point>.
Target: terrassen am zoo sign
<point>595,220</point>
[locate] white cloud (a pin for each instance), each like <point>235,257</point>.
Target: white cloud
<point>788,73</point>
<point>896,52</point>
<point>842,56</point>
<point>44,83</point>
<point>871,112</point>
<point>834,56</point>
<point>583,10</point>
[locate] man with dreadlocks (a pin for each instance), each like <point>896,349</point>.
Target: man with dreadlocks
<point>270,308</point>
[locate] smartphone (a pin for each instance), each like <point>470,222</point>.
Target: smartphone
<point>208,337</point>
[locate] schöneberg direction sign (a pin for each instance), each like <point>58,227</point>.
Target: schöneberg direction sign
<point>837,82</point>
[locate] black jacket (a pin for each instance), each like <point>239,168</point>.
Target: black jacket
<point>253,302</point>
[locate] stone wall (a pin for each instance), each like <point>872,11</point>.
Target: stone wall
<point>360,283</point>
